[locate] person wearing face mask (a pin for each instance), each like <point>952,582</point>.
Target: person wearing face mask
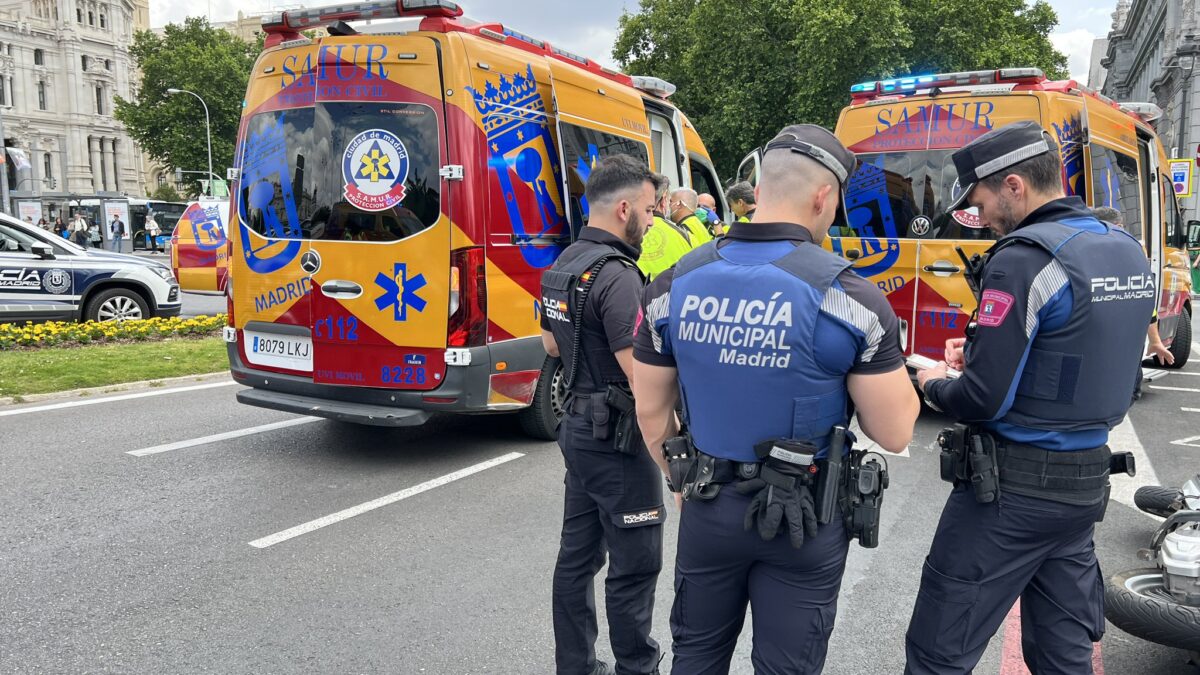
<point>614,497</point>
<point>1049,366</point>
<point>683,211</point>
<point>666,241</point>
<point>768,339</point>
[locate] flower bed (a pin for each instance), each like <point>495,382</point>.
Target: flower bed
<point>63,333</point>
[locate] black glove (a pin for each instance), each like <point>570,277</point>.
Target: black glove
<point>774,502</point>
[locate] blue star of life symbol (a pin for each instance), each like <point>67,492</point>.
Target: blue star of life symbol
<point>400,292</point>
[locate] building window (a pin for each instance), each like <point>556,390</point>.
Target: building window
<point>91,18</point>
<point>39,57</point>
<point>41,95</point>
<point>102,21</point>
<point>3,90</point>
<point>108,64</point>
<point>84,60</point>
<point>99,100</point>
<point>79,15</point>
<point>47,166</point>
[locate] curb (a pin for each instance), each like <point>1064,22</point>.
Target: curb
<point>124,387</point>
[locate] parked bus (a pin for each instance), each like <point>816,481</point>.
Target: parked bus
<point>401,188</point>
<point>167,214</point>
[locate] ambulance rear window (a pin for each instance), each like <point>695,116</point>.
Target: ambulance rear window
<point>344,171</point>
<point>904,195</point>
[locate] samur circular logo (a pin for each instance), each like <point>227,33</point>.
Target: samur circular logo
<point>374,168</point>
<point>56,281</point>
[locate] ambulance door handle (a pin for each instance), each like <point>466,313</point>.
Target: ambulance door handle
<point>341,289</point>
<point>853,254</point>
<point>941,267</point>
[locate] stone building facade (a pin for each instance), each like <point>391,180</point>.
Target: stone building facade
<point>62,62</point>
<point>1152,55</point>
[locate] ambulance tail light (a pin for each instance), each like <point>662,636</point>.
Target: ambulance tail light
<point>468,298</point>
<point>296,20</point>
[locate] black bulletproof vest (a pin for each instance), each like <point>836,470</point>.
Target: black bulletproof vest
<point>588,363</point>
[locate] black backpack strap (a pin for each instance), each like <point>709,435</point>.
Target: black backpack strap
<point>581,287</point>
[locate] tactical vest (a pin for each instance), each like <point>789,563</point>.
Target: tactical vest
<point>742,337</point>
<point>1081,376</point>
<point>588,362</point>
<point>662,246</point>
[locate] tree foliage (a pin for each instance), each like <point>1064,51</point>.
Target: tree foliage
<point>213,63</point>
<point>747,68</point>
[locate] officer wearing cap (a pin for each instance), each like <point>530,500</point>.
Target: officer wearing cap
<point>1048,367</point>
<point>614,498</point>
<point>768,338</point>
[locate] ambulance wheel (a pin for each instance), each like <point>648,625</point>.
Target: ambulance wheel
<point>1181,346</point>
<point>1137,602</point>
<point>540,420</point>
<point>116,304</point>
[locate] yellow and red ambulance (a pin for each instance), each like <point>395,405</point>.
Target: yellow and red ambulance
<point>897,233</point>
<point>200,247</point>
<point>401,186</point>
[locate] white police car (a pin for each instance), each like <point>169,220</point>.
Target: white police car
<point>46,277</point>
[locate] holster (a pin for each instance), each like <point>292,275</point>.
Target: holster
<point>627,435</point>
<point>969,455</point>
<point>865,483</point>
<point>681,461</point>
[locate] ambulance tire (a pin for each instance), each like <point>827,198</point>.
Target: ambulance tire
<point>1181,346</point>
<point>540,420</point>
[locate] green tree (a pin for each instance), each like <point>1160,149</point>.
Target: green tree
<point>747,68</point>
<point>213,63</point>
<point>166,193</point>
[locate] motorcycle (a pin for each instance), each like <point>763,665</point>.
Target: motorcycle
<point>1162,603</point>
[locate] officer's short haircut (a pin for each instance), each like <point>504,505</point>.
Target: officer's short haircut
<point>1042,173</point>
<point>614,177</point>
<point>1108,214</point>
<point>662,188</point>
<point>743,191</point>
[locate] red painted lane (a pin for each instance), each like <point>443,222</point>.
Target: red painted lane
<point>1011,660</point>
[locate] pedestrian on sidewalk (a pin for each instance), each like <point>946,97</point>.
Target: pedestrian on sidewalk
<point>79,229</point>
<point>44,224</point>
<point>116,232</point>
<point>60,228</point>
<point>152,232</point>
<point>94,237</point>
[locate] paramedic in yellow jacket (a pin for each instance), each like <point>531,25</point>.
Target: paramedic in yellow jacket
<point>665,242</point>
<point>684,203</point>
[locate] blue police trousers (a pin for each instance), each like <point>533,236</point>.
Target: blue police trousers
<point>720,567</point>
<point>613,502</point>
<point>986,556</point>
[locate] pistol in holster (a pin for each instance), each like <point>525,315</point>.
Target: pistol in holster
<point>682,462</point>
<point>866,480</point>
<point>969,455</point>
<point>617,406</point>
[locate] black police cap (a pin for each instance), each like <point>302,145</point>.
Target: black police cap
<point>994,152</point>
<point>818,144</point>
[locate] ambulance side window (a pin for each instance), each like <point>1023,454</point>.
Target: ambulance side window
<point>1175,235</point>
<point>705,181</point>
<point>582,148</point>
<point>1115,183</point>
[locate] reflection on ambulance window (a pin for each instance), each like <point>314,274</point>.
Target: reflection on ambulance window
<point>342,171</point>
<point>1115,184</point>
<point>582,147</point>
<point>903,195</point>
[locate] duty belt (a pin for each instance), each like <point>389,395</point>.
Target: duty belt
<point>1079,477</point>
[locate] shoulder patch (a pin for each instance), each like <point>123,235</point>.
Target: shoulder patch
<point>994,307</point>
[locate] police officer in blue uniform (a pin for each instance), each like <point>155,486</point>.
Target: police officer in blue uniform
<point>1049,366</point>
<point>614,497</point>
<point>768,338</point>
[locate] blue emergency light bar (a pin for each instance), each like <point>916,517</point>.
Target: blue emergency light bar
<point>912,83</point>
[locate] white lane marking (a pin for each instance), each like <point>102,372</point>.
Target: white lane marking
<point>1180,372</point>
<point>111,399</point>
<point>1190,409</point>
<point>1154,386</point>
<point>382,501</point>
<point>205,440</point>
<point>1188,442</point>
<point>1196,347</point>
<point>1124,438</point>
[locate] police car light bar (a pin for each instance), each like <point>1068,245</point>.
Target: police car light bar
<point>296,20</point>
<point>914,83</point>
<point>654,86</point>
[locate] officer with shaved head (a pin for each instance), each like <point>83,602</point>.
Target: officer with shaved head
<point>768,338</point>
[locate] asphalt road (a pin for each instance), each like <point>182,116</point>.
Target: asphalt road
<point>182,558</point>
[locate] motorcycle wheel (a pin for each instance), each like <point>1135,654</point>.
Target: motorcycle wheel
<point>1137,602</point>
<point>1156,500</point>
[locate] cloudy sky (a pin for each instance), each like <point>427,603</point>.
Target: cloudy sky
<point>589,28</point>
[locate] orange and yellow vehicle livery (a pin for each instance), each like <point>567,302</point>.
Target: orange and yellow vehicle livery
<point>399,194</point>
<point>904,132</point>
<point>200,247</point>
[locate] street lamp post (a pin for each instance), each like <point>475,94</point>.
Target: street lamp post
<point>207,131</point>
